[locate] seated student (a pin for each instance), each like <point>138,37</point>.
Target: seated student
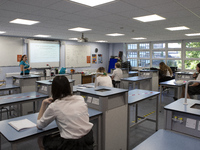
<point>194,88</point>
<point>117,74</point>
<point>165,72</point>
<point>102,79</point>
<point>71,115</point>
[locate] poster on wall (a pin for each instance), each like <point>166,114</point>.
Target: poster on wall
<point>94,58</point>
<point>100,60</point>
<point>88,59</point>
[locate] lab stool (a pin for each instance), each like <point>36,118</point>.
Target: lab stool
<point>117,84</point>
<point>1,111</point>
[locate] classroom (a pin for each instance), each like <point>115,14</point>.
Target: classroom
<point>133,64</point>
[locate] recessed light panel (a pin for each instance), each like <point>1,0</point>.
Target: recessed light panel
<point>80,29</point>
<point>101,41</point>
<point>139,38</point>
<point>24,22</point>
<point>2,32</point>
<point>92,3</point>
<point>178,28</point>
<point>115,34</point>
<point>193,34</point>
<point>40,35</point>
<point>73,38</point>
<point>149,18</point>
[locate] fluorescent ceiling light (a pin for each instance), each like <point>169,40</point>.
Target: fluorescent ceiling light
<point>149,18</point>
<point>40,35</point>
<point>92,3</point>
<point>73,38</point>
<point>193,34</point>
<point>2,32</point>
<point>178,28</point>
<point>101,41</point>
<point>139,38</point>
<point>115,34</point>
<point>79,29</point>
<point>24,22</point>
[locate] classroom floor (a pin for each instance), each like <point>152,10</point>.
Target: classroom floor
<point>137,134</point>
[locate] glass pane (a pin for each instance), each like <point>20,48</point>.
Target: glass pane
<point>158,54</point>
<point>192,54</point>
<point>155,63</point>
<point>193,44</point>
<point>191,64</point>
<point>132,46</point>
<point>132,54</point>
<point>174,45</point>
<point>133,62</point>
<point>144,54</point>
<point>144,63</point>
<point>144,46</point>
<point>174,54</point>
<point>158,45</point>
<point>174,63</point>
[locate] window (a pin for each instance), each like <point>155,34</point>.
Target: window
<point>144,63</point>
<point>144,46</point>
<point>175,63</point>
<point>174,45</point>
<point>132,54</point>
<point>174,54</point>
<point>159,46</point>
<point>133,62</point>
<point>132,46</point>
<point>192,54</point>
<point>156,62</point>
<point>191,64</point>
<point>192,44</point>
<point>144,54</point>
<point>158,54</point>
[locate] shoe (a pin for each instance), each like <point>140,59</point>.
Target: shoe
<point>175,98</point>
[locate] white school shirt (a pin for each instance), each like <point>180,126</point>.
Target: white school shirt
<point>71,115</point>
<point>103,81</point>
<point>168,74</point>
<point>118,74</point>
<point>198,77</point>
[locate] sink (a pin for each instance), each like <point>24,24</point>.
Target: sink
<point>102,90</point>
<point>196,106</point>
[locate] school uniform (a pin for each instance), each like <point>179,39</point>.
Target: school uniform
<point>117,74</point>
<point>192,90</point>
<point>164,76</point>
<point>103,81</point>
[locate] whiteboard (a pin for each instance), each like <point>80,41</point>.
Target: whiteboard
<point>76,55</point>
<point>9,49</point>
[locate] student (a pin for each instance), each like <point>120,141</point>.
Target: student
<point>117,74</point>
<point>71,115</point>
<point>102,79</point>
<point>194,88</point>
<point>165,72</point>
<point>24,66</point>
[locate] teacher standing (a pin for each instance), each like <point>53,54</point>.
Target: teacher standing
<point>24,66</point>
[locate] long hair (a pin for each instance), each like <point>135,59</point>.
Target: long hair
<point>60,87</point>
<point>198,65</point>
<point>22,57</point>
<point>102,71</point>
<point>164,68</point>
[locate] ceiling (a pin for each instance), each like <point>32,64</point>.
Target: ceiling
<point>57,16</point>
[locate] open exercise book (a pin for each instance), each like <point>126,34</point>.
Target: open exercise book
<point>22,124</point>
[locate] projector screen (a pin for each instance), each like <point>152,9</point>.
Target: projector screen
<point>41,53</point>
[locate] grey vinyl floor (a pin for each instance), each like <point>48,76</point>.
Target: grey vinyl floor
<point>137,134</point>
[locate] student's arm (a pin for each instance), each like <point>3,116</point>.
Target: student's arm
<point>113,75</point>
<point>195,84</point>
<point>44,106</point>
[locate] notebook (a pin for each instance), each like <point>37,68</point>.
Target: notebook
<point>22,124</point>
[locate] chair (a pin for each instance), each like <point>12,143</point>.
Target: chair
<point>3,82</point>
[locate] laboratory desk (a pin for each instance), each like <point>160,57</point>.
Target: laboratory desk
<point>169,140</point>
<point>14,137</point>
<point>44,86</point>
<point>113,103</point>
<point>171,84</point>
<point>134,98</point>
<point>82,86</point>
<point>133,73</point>
<point>17,99</point>
<point>144,82</point>
<point>10,88</point>
<point>184,76</point>
<point>154,74</point>
<point>184,118</point>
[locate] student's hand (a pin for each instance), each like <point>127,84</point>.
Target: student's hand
<point>29,68</point>
<point>47,101</point>
<point>194,75</point>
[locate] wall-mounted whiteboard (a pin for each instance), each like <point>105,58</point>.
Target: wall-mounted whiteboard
<point>9,49</point>
<point>76,55</point>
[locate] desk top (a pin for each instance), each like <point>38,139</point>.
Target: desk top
<point>185,73</point>
<point>180,107</point>
<point>27,76</point>
<point>138,95</point>
<point>147,70</point>
<point>48,82</point>
<point>16,98</point>
<point>134,79</point>
<point>8,86</point>
<point>171,83</point>
<point>82,86</point>
<point>107,91</point>
<point>169,140</point>
<point>133,72</point>
<point>12,135</point>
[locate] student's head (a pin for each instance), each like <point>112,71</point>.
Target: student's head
<point>24,58</point>
<point>117,65</point>
<point>198,67</point>
<point>60,87</point>
<point>102,70</point>
<point>162,66</point>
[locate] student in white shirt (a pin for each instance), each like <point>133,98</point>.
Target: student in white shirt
<point>71,115</point>
<point>117,74</point>
<point>102,78</point>
<point>194,88</point>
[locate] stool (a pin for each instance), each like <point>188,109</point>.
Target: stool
<point>2,112</point>
<point>117,84</point>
